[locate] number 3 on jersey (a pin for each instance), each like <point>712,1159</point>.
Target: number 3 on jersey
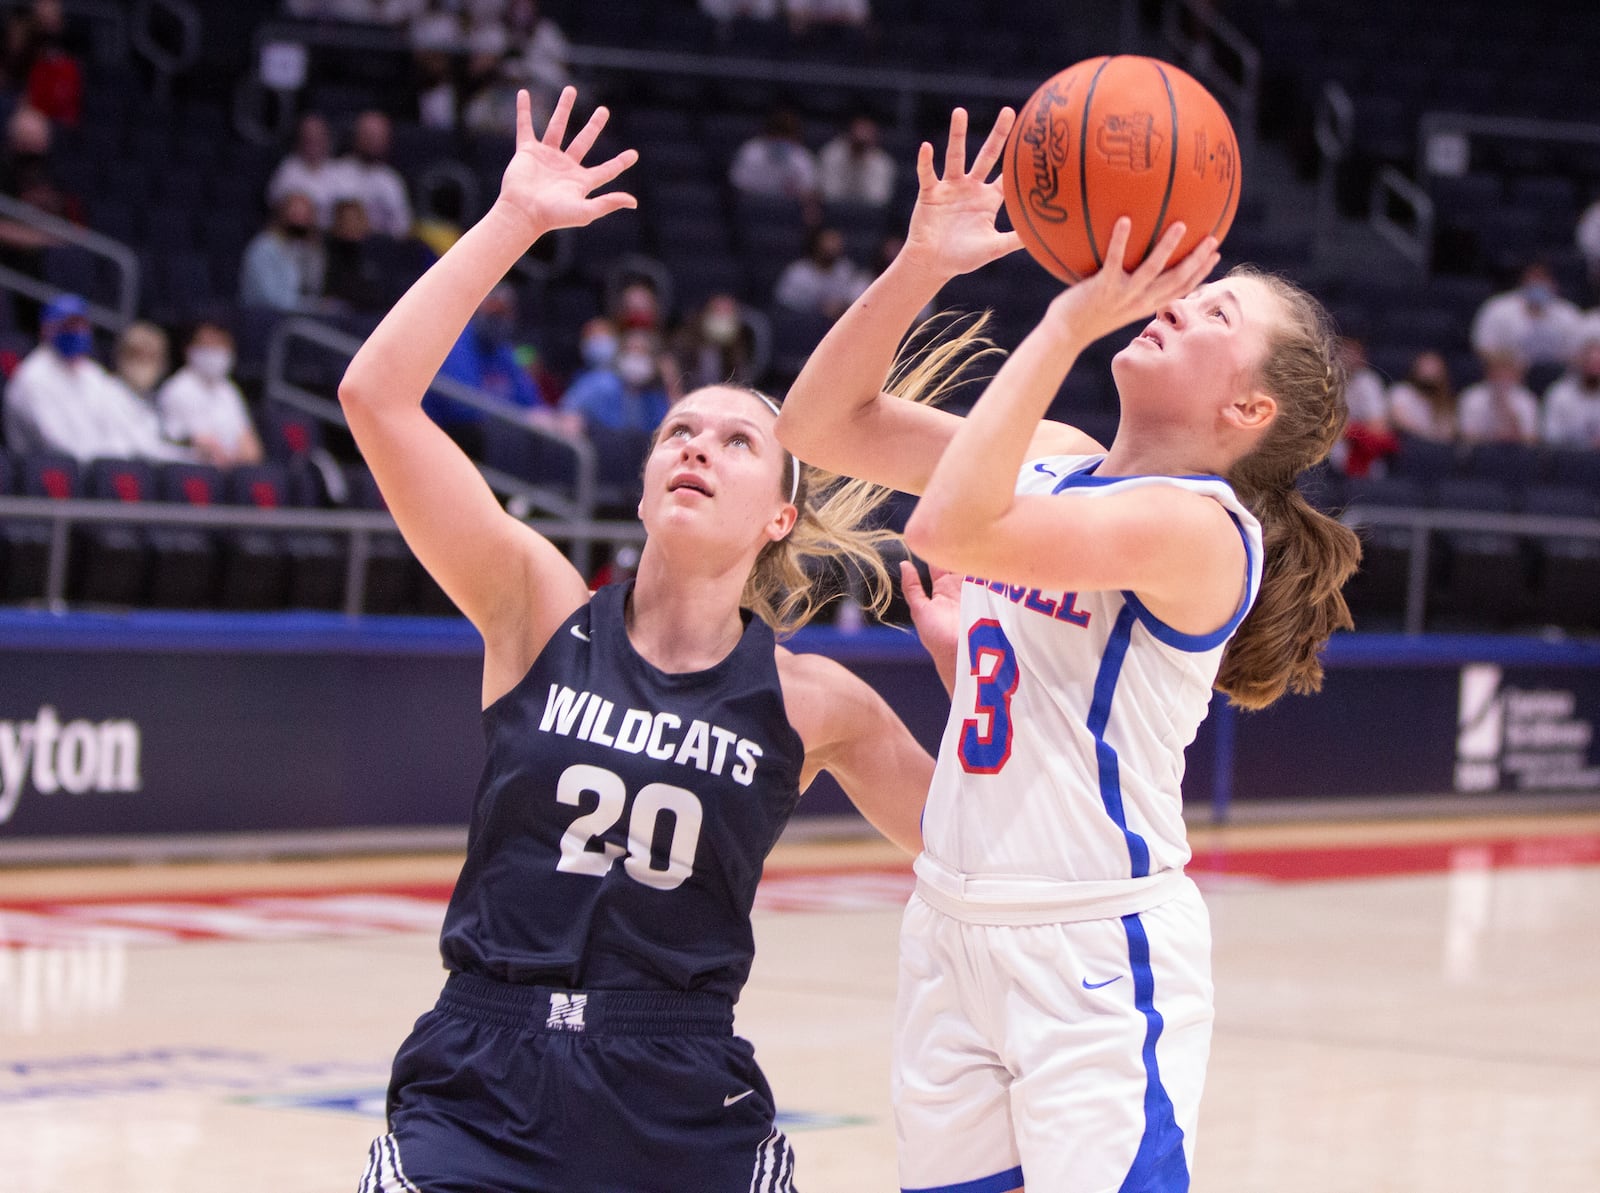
<point>986,736</point>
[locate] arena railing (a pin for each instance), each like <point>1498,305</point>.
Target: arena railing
<point>1444,139</point>
<point>906,85</point>
<point>1214,51</point>
<point>1403,214</point>
<point>1425,523</point>
<point>359,526</point>
<point>61,232</point>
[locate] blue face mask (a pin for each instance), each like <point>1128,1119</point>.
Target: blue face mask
<point>599,351</point>
<point>73,342</point>
<point>1538,293</point>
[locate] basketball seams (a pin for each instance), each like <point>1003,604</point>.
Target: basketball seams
<point>1083,163</point>
<point>1040,243</point>
<point>1225,220</point>
<point>1172,160</point>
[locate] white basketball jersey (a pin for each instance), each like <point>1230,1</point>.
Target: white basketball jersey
<point>1063,755</point>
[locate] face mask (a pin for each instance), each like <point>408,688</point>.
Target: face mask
<point>720,329</point>
<point>297,231</point>
<point>1538,293</point>
<point>142,375</point>
<point>212,363</point>
<point>635,368</point>
<point>599,351</point>
<point>73,342</point>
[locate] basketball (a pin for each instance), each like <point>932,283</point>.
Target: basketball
<point>1118,136</point>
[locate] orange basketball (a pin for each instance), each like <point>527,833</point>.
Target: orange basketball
<point>1118,136</point>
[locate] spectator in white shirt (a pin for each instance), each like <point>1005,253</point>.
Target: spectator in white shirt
<point>1500,408</point>
<point>367,175</point>
<point>824,280</point>
<point>776,162</point>
<point>1424,403</point>
<point>1533,321</point>
<point>853,168</point>
<point>141,361</point>
<point>1572,403</point>
<point>61,399</point>
<point>1589,244</point>
<point>310,170</point>
<point>202,407</point>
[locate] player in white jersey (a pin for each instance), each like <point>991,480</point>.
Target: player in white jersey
<point>1055,1009</point>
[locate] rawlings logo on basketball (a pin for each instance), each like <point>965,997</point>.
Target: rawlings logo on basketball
<point>1129,140</point>
<point>1048,142</point>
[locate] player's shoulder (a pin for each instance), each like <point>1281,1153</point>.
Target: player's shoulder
<point>1052,438</point>
<point>817,690</point>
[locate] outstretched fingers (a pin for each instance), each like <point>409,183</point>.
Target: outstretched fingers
<point>994,144</point>
<point>926,178</point>
<point>955,150</point>
<point>588,134</point>
<point>556,131</point>
<point>607,170</point>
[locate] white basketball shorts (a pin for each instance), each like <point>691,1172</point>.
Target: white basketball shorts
<point>1069,1055</point>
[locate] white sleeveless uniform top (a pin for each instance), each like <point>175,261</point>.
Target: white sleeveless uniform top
<point>1058,782</point>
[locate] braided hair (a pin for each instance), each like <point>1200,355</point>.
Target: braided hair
<point>1309,556</point>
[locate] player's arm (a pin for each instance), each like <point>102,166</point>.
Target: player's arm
<point>1176,548</point>
<point>836,414</point>
<point>513,584</point>
<point>850,732</point>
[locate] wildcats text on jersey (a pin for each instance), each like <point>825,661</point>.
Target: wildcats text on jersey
<point>660,735</point>
<point>1061,608</point>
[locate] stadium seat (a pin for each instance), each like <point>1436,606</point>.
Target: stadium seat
<point>183,573</point>
<point>391,569</point>
<point>1483,574</point>
<point>113,558</point>
<point>1566,591</point>
<point>1377,592</point>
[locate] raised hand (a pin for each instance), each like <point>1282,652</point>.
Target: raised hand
<point>952,226</point>
<point>1113,297</point>
<point>547,187</point>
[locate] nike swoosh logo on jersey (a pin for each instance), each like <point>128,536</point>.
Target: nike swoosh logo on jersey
<point>732,1098</point>
<point>577,632</point>
<point>1088,985</point>
<point>1046,471</point>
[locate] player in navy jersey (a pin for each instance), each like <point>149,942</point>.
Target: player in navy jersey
<point>646,745</point>
<point>1054,1013</point>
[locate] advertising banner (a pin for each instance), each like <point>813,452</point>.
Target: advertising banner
<point>152,725</point>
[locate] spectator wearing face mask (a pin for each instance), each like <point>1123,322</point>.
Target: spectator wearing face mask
<point>1533,321</point>
<point>1424,403</point>
<point>352,278</point>
<point>637,307</point>
<point>284,264</point>
<point>141,358</point>
<point>485,358</point>
<point>1572,403</point>
<point>202,407</point>
<point>61,399</point>
<point>853,167</point>
<point>715,346</point>
<point>824,281</point>
<point>1500,408</point>
<point>629,394</point>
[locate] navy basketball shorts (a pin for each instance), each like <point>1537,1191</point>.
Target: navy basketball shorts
<point>525,1089</point>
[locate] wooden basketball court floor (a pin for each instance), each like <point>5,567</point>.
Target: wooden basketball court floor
<point>1401,1005</point>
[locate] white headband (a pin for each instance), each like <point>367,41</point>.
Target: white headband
<point>794,481</point>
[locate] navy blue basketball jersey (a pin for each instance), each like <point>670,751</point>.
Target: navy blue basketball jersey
<point>624,815</point>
